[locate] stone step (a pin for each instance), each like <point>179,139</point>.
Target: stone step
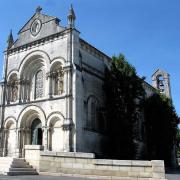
<point>10,159</point>
<point>16,166</point>
<point>20,163</point>
<point>20,166</point>
<point>21,169</point>
<point>15,173</point>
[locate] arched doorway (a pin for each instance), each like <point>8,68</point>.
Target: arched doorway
<point>36,132</point>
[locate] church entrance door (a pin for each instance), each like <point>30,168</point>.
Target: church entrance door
<point>36,132</point>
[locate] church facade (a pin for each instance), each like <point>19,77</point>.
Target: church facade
<point>52,90</point>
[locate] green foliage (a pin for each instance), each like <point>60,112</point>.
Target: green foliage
<point>178,143</point>
<point>161,127</point>
<point>123,87</point>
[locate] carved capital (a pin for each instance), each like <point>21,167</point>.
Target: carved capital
<point>67,125</point>
<point>56,73</point>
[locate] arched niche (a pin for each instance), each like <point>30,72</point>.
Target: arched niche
<point>56,78</point>
<point>56,133</point>
<point>12,88</point>
<point>10,137</point>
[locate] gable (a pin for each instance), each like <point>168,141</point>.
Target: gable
<point>37,27</point>
<point>44,18</point>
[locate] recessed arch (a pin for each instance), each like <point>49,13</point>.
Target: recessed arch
<point>8,120</point>
<point>58,59</point>
<point>14,71</point>
<point>35,54</point>
<point>29,113</point>
<point>56,134</point>
<point>54,116</point>
<point>92,96</point>
<point>34,62</point>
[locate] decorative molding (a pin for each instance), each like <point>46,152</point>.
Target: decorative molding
<point>36,27</point>
<point>30,55</point>
<point>55,113</point>
<point>37,101</point>
<point>38,42</point>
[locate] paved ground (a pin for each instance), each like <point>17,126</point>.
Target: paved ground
<point>40,177</point>
<point>173,176</point>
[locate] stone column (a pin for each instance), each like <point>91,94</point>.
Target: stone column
<point>45,138</point>
<point>28,90</point>
<point>49,138</point>
<point>19,90</point>
<point>28,134</point>
<point>17,147</point>
<point>23,136</point>
<point>25,91</point>
<point>50,86</point>
<point>22,91</point>
<point>8,94</point>
<point>67,135</point>
<point>5,143</point>
<point>68,120</point>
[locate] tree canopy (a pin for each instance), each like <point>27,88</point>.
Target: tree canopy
<point>161,128</point>
<point>138,127</point>
<point>123,88</point>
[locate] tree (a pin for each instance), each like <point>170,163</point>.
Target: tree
<point>123,90</point>
<point>178,143</point>
<point>161,128</point>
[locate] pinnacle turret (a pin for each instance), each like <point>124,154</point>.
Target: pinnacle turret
<point>71,17</point>
<point>10,40</point>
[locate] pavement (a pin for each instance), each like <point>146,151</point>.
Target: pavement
<point>39,177</point>
<point>173,176</point>
<point>169,176</point>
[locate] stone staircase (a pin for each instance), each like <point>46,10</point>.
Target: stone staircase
<point>15,166</point>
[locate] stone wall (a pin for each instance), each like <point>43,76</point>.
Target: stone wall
<point>32,154</point>
<point>85,165</point>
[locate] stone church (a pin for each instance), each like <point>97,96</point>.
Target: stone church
<point>52,89</point>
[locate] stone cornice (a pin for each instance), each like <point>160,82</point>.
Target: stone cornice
<point>38,42</point>
<point>94,51</point>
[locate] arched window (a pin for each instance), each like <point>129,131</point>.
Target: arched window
<point>39,84</point>
<point>92,113</point>
<point>160,83</point>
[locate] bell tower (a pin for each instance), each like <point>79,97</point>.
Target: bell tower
<point>161,81</point>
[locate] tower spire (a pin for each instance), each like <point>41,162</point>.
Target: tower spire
<point>10,40</point>
<point>71,17</point>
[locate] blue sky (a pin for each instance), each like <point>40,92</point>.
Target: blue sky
<point>146,31</point>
